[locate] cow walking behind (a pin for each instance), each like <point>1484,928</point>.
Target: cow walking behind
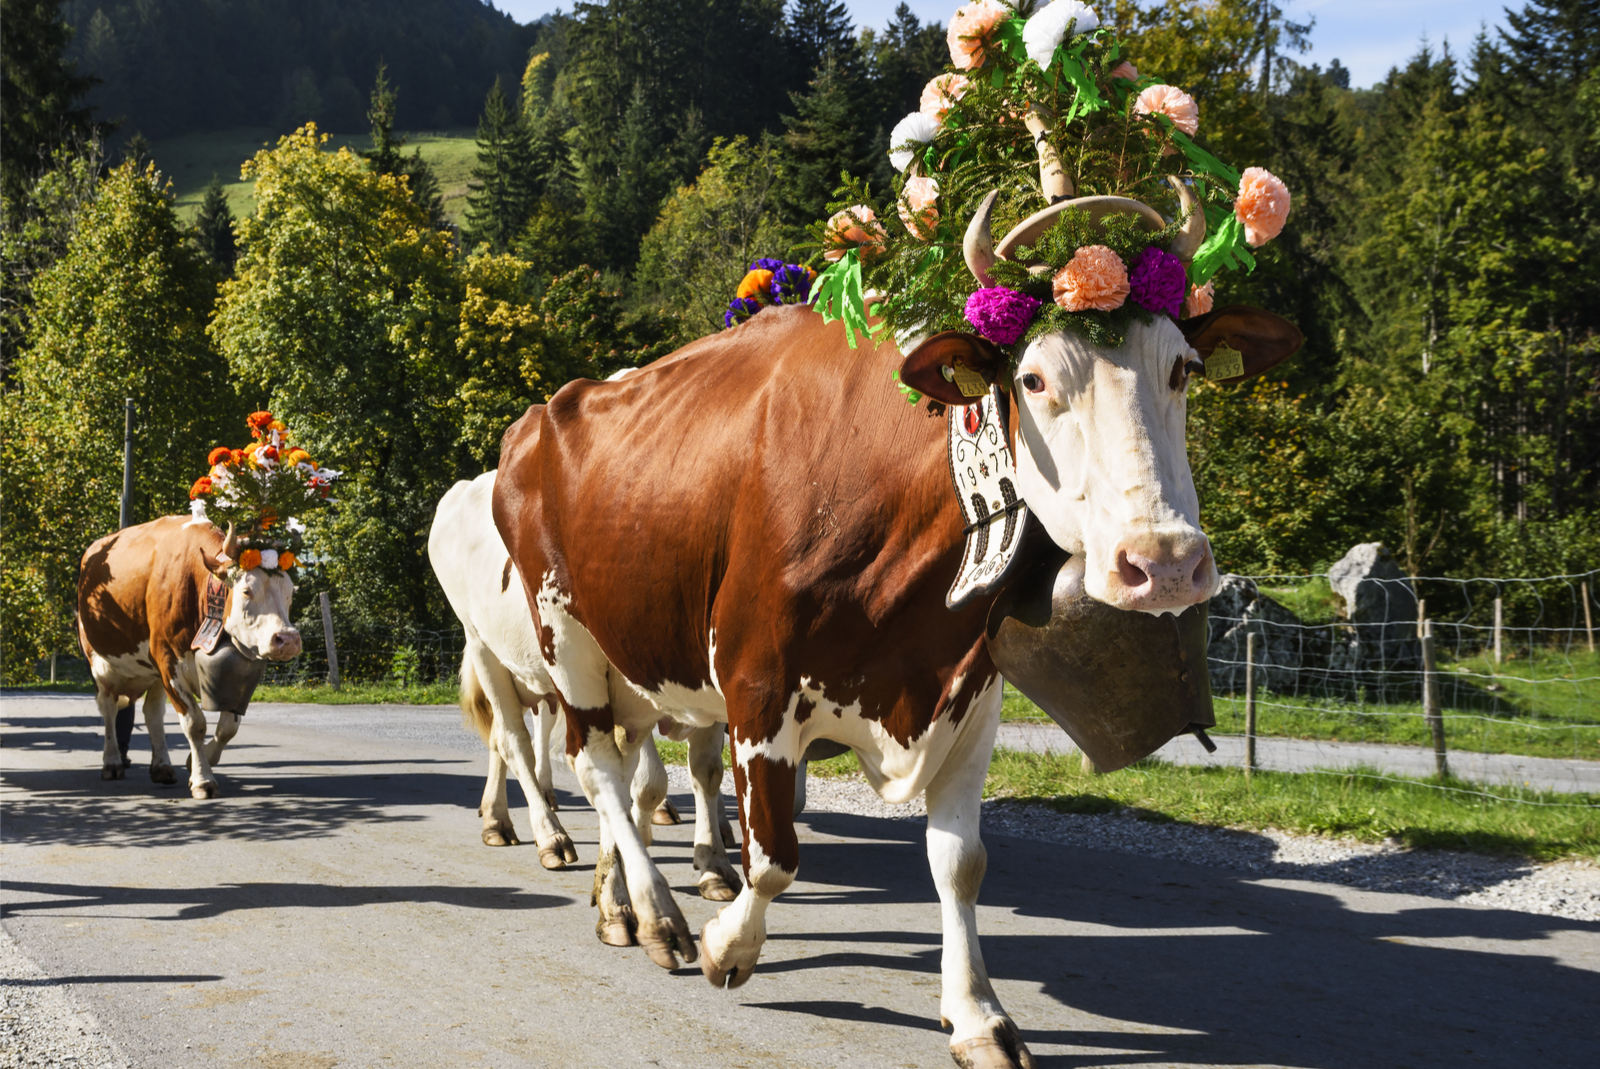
<point>142,599</point>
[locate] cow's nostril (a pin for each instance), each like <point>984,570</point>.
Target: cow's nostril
<point>1131,574</point>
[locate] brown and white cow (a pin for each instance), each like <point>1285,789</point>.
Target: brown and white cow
<point>757,529</point>
<point>141,596</point>
<point>503,673</point>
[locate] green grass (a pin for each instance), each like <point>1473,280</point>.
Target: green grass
<point>1313,601</point>
<point>1357,803</point>
<point>442,693</point>
<point>1547,704</point>
<point>192,159</point>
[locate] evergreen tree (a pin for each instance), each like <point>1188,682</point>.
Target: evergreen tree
<point>213,226</point>
<point>385,156</point>
<point>816,31</point>
<point>39,91</point>
<point>500,197</point>
<point>823,139</point>
<point>1554,42</point>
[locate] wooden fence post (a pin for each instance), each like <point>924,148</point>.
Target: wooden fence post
<point>1430,703</point>
<point>125,516</point>
<point>1499,624</point>
<point>1588,620</point>
<point>1249,704</point>
<point>327,634</point>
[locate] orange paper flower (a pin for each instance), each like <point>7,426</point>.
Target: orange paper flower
<point>250,559</point>
<point>1126,71</point>
<point>970,30</point>
<point>755,284</point>
<point>259,422</point>
<point>1198,303</point>
<point>286,559</point>
<point>295,456</point>
<point>201,485</point>
<point>1172,102</point>
<point>1262,206</point>
<point>856,226</point>
<point>220,455</point>
<point>1095,278</point>
<point>919,206</point>
<point>941,94</point>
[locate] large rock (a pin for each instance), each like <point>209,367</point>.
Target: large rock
<point>1284,645</point>
<point>1380,605</point>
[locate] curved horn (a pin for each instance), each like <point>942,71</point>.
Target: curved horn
<point>230,544</point>
<point>1193,233</point>
<point>1052,179</point>
<point>979,243</point>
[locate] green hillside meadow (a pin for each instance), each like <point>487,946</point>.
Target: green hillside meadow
<point>191,159</point>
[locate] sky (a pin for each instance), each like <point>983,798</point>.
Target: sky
<point>1367,36</point>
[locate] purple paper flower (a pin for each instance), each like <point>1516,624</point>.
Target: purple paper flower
<point>1157,281</point>
<point>767,263</point>
<point>740,309</point>
<point>1002,315</point>
<point>791,283</point>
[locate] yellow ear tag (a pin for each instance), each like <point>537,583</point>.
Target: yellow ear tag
<point>1224,363</point>
<point>969,382</point>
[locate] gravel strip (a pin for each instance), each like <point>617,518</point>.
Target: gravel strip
<point>39,1026</point>
<point>1568,889</point>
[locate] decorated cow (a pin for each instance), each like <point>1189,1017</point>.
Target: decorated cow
<point>829,529</point>
<point>177,609</point>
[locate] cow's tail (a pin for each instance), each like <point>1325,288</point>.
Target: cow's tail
<point>476,712</point>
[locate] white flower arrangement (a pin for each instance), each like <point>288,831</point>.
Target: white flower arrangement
<point>909,134</point>
<point>1044,32</point>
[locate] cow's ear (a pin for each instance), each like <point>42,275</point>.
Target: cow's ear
<point>218,564</point>
<point>954,367</point>
<point>1239,341</point>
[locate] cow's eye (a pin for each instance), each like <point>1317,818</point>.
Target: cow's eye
<point>1032,383</point>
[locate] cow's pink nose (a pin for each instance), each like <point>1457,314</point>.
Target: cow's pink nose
<point>285,644</point>
<point>1156,584</point>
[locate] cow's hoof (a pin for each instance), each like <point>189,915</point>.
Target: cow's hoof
<point>726,829</point>
<point>203,790</point>
<point>666,938</point>
<point>558,853</point>
<point>113,772</point>
<point>618,929</point>
<point>726,966</point>
<point>715,887</point>
<point>1002,1048</point>
<point>666,813</point>
<point>163,774</point>
<point>550,800</point>
<point>500,833</point>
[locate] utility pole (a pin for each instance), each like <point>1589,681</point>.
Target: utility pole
<point>126,519</point>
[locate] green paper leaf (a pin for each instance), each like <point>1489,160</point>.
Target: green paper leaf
<point>1204,162</point>
<point>1224,246</point>
<point>838,294</point>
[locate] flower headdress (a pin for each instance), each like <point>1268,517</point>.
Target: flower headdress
<point>258,490</point>
<point>1039,101</point>
<point>768,282</point>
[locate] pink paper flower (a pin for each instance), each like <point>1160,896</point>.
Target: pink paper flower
<point>970,30</point>
<point>1262,205</point>
<point>1198,303</point>
<point>1095,278</point>
<point>941,94</point>
<point>919,208</point>
<point>1172,102</point>
<point>863,231</point>
<point>1126,71</point>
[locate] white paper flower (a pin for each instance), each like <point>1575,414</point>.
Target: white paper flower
<point>269,558</point>
<point>914,130</point>
<point>294,526</point>
<point>197,512</point>
<point>1042,34</point>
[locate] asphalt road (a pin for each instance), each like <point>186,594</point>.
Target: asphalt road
<point>336,908</point>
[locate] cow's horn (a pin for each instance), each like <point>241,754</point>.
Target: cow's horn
<point>1193,233</point>
<point>979,243</point>
<point>1052,179</point>
<point>230,544</point>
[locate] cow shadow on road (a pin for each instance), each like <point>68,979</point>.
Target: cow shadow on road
<point>1210,966</point>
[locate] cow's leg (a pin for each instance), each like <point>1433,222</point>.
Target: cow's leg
<point>497,827</point>
<point>555,845</point>
<point>982,1035</point>
<point>605,771</point>
<point>732,940</point>
<point>202,784</point>
<point>544,724</point>
<point>227,728</point>
<point>111,756</point>
<point>717,881</point>
<point>155,725</point>
<point>649,790</point>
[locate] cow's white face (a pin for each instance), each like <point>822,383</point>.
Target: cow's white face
<point>258,616</point>
<point>1103,464</point>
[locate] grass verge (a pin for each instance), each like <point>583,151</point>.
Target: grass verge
<point>1362,804</point>
<point>443,693</point>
